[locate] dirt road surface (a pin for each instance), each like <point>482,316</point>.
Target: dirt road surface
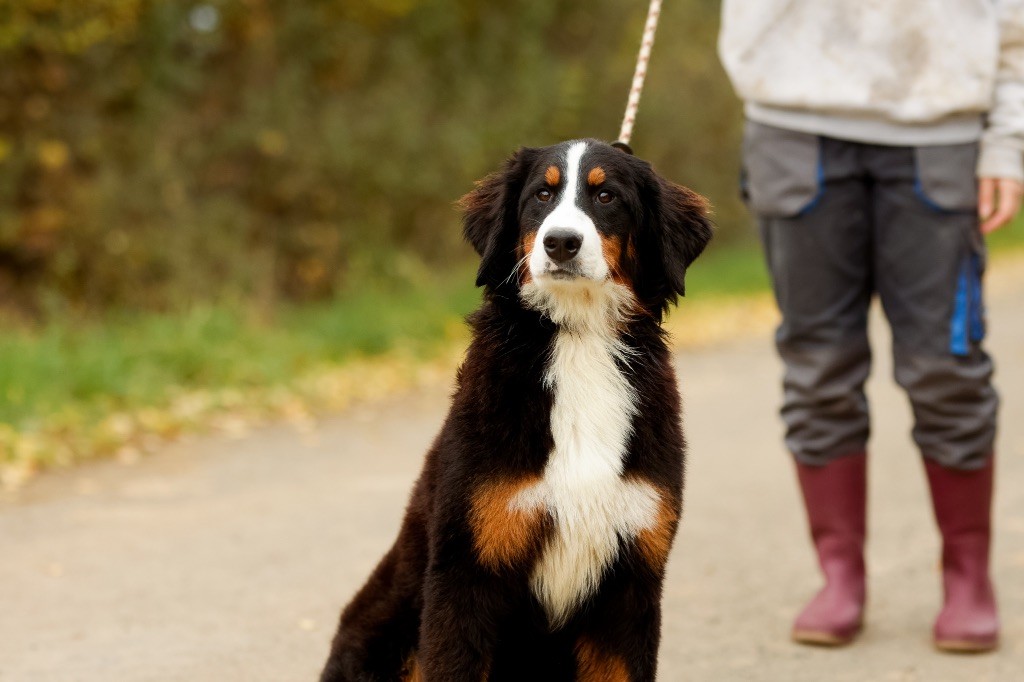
<point>222,560</point>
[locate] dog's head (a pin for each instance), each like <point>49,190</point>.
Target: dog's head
<point>580,220</point>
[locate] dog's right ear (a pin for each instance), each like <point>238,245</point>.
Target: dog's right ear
<point>676,228</point>
<point>491,219</point>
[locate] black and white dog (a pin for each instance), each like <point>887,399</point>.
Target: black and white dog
<point>535,541</point>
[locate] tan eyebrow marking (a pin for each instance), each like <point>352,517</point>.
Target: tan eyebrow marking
<point>552,175</point>
<point>596,176</point>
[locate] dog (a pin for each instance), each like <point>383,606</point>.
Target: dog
<point>535,541</point>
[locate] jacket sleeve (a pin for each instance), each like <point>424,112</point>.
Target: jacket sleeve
<point>1002,144</point>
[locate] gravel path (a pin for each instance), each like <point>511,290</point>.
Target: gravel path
<point>222,559</point>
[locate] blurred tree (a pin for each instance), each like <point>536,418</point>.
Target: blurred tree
<point>159,152</point>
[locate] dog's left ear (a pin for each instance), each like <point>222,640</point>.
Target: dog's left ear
<point>678,228</point>
<point>491,219</point>
<point>685,230</point>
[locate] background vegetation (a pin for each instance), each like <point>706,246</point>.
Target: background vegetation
<point>218,206</point>
<point>215,206</point>
<point>155,154</point>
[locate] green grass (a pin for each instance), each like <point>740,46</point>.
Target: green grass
<point>730,270</point>
<point>135,361</point>
<point>1009,238</point>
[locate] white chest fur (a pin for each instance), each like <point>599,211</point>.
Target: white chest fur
<point>583,491</point>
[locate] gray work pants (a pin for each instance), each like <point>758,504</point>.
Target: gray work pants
<point>842,221</point>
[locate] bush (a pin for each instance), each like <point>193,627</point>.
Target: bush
<point>156,153</point>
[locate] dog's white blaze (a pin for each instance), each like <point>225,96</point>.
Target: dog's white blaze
<point>568,214</point>
<point>593,507</point>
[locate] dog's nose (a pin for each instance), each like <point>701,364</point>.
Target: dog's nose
<point>562,245</point>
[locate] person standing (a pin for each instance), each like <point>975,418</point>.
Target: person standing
<point>883,140</point>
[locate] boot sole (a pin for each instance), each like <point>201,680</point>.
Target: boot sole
<point>825,639</point>
<point>957,646</point>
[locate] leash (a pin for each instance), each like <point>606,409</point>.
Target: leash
<point>633,102</point>
<point>642,60</point>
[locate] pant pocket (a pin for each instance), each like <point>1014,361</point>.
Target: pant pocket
<point>945,176</point>
<point>782,170</point>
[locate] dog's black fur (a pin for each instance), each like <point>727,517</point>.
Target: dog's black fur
<point>452,599</point>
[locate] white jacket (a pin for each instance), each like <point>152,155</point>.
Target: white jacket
<point>904,72</point>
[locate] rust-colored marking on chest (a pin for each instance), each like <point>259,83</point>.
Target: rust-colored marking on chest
<point>504,535</point>
<point>655,542</point>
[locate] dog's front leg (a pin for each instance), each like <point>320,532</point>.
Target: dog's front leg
<point>620,639</point>
<point>457,633</point>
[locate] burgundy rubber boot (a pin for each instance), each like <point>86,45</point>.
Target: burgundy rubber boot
<point>835,496</point>
<point>969,621</point>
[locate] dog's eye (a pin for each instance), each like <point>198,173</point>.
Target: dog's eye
<point>605,197</point>
<point>544,195</point>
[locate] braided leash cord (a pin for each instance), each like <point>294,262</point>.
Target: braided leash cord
<point>633,103</point>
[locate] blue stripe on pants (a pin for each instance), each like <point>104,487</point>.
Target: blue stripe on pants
<point>968,322</point>
<point>959,343</point>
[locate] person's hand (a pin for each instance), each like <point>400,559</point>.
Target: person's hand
<point>999,200</point>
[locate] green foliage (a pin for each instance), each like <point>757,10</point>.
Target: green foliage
<point>1009,238</point>
<point>70,28</point>
<point>156,154</point>
<point>728,270</point>
<point>128,361</point>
